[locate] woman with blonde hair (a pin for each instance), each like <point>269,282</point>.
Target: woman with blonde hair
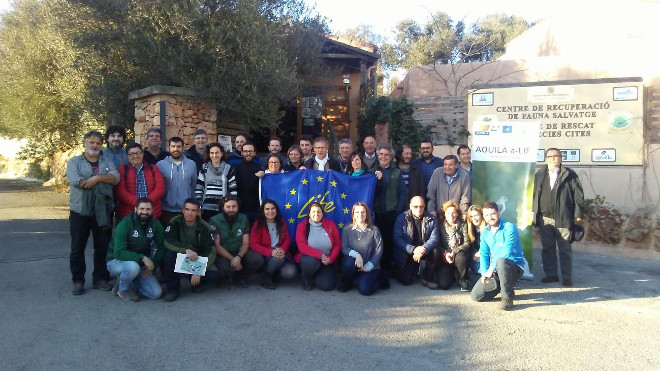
<point>475,222</point>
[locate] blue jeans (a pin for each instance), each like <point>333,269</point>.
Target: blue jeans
<point>367,282</point>
<point>130,278</point>
<point>508,273</point>
<point>312,270</point>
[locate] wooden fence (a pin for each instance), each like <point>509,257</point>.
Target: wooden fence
<point>446,118</point>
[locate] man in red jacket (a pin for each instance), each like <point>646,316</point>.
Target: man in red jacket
<point>138,179</point>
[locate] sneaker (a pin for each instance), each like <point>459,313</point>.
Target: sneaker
<point>267,282</point>
<point>506,304</point>
<point>115,288</point>
<point>102,285</point>
<point>78,288</point>
<point>432,285</point>
<point>171,296</point>
<point>567,282</point>
<point>128,295</point>
<point>465,285</point>
<point>550,279</point>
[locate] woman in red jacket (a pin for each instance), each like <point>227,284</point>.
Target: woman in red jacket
<point>138,179</point>
<point>269,237</point>
<point>319,245</point>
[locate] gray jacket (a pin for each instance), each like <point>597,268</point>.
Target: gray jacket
<point>439,191</point>
<point>77,169</point>
<point>180,182</point>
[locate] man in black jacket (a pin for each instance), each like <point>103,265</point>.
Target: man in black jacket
<point>558,204</point>
<point>248,173</point>
<point>321,160</point>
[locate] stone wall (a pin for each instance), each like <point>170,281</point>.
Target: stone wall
<point>184,113</point>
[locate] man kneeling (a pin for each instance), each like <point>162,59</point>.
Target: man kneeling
<point>188,234</point>
<point>500,244</point>
<point>135,252</point>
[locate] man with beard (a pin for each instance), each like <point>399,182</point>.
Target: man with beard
<point>236,157</point>
<point>153,153</point>
<point>232,243</point>
<point>449,183</point>
<point>135,251</point>
<point>412,178</point>
<point>248,173</point>
<point>426,161</point>
<point>115,136</point>
<point>91,177</point>
<point>370,155</point>
<point>320,160</point>
<point>180,175</point>
<point>188,234</point>
<point>196,151</point>
<point>305,144</point>
<point>501,258</point>
<point>344,158</point>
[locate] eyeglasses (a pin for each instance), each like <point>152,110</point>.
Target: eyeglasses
<point>248,151</point>
<point>425,148</point>
<point>134,154</point>
<point>552,156</point>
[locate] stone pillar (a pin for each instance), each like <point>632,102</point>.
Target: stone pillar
<point>185,112</point>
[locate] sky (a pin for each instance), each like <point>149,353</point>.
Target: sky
<point>343,14</point>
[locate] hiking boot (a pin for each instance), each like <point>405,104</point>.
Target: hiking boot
<point>128,295</point>
<point>550,279</point>
<point>102,285</point>
<point>506,304</point>
<point>267,281</point>
<point>567,282</point>
<point>171,296</point>
<point>465,285</point>
<point>240,283</point>
<point>345,286</point>
<point>115,288</point>
<point>197,289</point>
<point>78,288</point>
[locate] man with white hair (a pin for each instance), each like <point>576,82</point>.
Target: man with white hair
<point>91,177</point>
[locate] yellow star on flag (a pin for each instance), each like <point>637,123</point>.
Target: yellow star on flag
<point>319,178</point>
<point>340,225</point>
<point>343,196</point>
<point>293,191</point>
<point>333,183</point>
<point>345,210</point>
<point>304,181</point>
<point>288,205</point>
<point>291,220</point>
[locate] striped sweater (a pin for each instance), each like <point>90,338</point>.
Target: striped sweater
<point>214,183</point>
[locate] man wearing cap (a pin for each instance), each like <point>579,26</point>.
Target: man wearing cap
<point>557,206</point>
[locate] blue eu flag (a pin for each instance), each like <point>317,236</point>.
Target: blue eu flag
<point>336,192</point>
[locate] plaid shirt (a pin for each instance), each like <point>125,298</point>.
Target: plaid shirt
<point>140,182</point>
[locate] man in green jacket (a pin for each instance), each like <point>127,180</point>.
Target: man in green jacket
<point>232,243</point>
<point>188,234</point>
<point>135,251</point>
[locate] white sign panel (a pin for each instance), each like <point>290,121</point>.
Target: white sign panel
<point>506,142</point>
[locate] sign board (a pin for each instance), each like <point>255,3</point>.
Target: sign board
<point>592,122</point>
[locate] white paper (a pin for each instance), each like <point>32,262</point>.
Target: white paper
<point>185,265</point>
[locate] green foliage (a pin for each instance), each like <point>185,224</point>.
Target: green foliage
<point>591,205</point>
<point>398,114</point>
<point>444,41</point>
<point>68,66</point>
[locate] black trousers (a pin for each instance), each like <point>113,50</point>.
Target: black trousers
<point>80,228</point>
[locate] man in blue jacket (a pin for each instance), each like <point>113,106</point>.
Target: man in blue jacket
<point>180,175</point>
<point>501,257</point>
<point>415,238</point>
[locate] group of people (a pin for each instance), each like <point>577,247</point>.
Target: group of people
<point>205,202</point>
